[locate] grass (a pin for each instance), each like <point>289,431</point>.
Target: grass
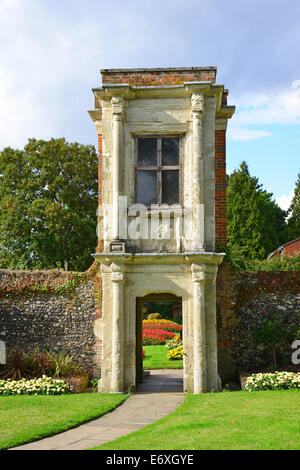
<point>223,421</point>
<point>156,358</point>
<point>27,418</point>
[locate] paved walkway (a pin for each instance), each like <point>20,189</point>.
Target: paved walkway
<point>159,395</point>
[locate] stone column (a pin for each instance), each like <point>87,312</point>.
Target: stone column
<point>197,101</point>
<point>209,171</point>
<point>117,134</point>
<point>211,328</point>
<point>117,359</point>
<point>200,372</point>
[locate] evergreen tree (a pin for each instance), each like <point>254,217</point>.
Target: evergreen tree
<point>255,222</point>
<point>48,202</point>
<point>293,228</point>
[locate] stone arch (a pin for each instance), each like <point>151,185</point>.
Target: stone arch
<point>152,297</point>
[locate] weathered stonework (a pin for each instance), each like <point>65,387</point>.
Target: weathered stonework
<point>184,103</point>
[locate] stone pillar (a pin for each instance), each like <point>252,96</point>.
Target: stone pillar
<point>209,171</point>
<point>197,101</point>
<point>211,328</point>
<point>200,372</point>
<point>117,134</point>
<point>117,359</point>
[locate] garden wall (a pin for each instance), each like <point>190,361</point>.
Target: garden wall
<point>243,299</point>
<point>56,309</point>
<point>51,309</point>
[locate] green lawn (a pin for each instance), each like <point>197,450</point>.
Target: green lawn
<point>28,418</point>
<point>156,358</point>
<point>223,421</point>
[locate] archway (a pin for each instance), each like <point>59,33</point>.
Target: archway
<point>170,307</point>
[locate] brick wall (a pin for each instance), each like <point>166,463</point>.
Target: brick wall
<point>156,77</point>
<point>220,197</point>
<point>243,299</point>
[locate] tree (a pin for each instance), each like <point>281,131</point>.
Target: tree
<point>255,222</point>
<point>48,202</point>
<point>293,227</point>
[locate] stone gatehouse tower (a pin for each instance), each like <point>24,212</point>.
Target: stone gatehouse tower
<point>162,210</point>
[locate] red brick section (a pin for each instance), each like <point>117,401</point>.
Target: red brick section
<point>220,197</point>
<point>289,249</point>
<point>153,77</point>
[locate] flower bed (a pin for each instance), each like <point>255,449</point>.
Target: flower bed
<point>273,381</point>
<point>156,336</point>
<point>42,386</point>
<point>174,343</point>
<point>166,325</point>
<point>175,354</point>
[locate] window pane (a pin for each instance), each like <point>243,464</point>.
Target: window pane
<point>147,152</point>
<point>147,187</point>
<point>170,187</point>
<point>170,151</point>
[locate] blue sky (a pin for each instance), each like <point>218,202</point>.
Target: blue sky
<point>52,50</point>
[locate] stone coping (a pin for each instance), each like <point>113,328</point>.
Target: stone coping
<point>209,68</point>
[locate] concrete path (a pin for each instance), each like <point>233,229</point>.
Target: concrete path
<point>159,395</point>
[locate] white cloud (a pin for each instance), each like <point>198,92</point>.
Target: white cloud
<point>235,133</point>
<point>271,107</point>
<point>42,60</point>
<point>284,201</point>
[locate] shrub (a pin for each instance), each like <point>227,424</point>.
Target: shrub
<point>175,354</point>
<point>62,365</point>
<point>94,384</point>
<point>36,364</point>
<point>275,381</point>
<point>174,343</point>
<point>156,336</point>
<point>154,316</point>
<point>42,386</point>
<point>15,367</point>
<point>271,333</point>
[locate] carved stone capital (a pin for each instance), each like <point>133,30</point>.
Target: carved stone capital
<point>197,102</point>
<point>198,272</point>
<point>118,105</point>
<point>117,272</point>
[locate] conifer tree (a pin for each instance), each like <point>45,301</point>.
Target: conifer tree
<point>255,222</point>
<point>293,228</point>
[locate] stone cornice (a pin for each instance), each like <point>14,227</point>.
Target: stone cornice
<point>96,114</point>
<point>160,258</point>
<point>128,92</point>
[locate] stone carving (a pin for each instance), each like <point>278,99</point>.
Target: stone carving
<point>118,104</point>
<point>197,101</point>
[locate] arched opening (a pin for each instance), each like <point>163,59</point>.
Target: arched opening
<point>169,306</point>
